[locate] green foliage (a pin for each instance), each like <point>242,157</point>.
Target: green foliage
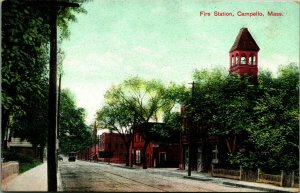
<point>24,71</point>
<point>137,101</point>
<point>25,59</point>
<point>247,160</point>
<point>259,122</point>
<point>74,134</point>
<point>33,126</point>
<point>27,166</point>
<point>276,130</point>
<point>172,125</point>
<point>25,162</point>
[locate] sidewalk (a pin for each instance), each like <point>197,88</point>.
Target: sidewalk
<point>230,182</point>
<point>34,179</point>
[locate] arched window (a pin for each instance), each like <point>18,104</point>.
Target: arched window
<point>254,60</point>
<point>243,59</point>
<point>237,59</point>
<point>232,60</point>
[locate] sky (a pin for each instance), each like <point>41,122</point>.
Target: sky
<point>168,40</point>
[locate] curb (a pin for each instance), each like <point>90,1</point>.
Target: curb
<point>59,182</point>
<point>125,167</point>
<point>195,178</point>
<point>254,187</point>
<point>120,166</point>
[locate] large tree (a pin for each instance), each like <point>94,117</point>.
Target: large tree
<point>275,132</point>
<point>258,121</point>
<point>25,59</point>
<point>220,107</point>
<point>74,134</point>
<point>135,102</point>
<point>33,126</point>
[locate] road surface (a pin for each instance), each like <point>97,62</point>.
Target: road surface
<point>98,177</point>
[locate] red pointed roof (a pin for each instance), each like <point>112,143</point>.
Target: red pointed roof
<point>244,41</point>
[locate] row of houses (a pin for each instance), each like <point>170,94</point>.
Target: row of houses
<point>205,149</point>
<point>111,148</point>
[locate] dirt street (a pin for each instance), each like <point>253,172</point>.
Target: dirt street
<point>86,176</point>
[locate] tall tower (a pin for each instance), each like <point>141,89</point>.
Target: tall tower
<point>244,55</point>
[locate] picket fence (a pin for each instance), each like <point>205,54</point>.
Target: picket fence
<point>282,179</point>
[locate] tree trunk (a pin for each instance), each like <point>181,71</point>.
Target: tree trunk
<point>234,144</point>
<point>205,152</point>
<point>42,153</point>
<point>228,145</point>
<point>34,146</point>
<point>127,154</point>
<point>231,144</point>
<point>4,124</point>
<point>144,158</point>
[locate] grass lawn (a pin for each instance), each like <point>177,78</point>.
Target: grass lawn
<point>25,162</point>
<point>27,166</point>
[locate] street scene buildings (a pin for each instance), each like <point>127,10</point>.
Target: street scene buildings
<point>160,96</point>
<point>194,149</point>
<point>210,149</point>
<point>207,149</point>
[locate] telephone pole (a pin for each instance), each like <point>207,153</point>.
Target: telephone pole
<point>52,105</point>
<point>53,5</point>
<point>191,129</point>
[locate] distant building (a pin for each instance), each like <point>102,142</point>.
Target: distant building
<point>159,151</point>
<point>23,147</point>
<point>112,144</point>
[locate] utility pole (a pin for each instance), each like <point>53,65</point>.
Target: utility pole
<point>132,141</point>
<point>53,5</point>
<point>58,104</point>
<point>95,142</point>
<point>58,118</point>
<point>191,129</point>
<point>52,105</point>
<point>110,133</point>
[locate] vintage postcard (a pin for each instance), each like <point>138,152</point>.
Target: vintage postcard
<point>150,96</point>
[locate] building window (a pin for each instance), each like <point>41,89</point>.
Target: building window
<point>237,59</point>
<point>253,60</point>
<point>138,156</point>
<point>232,60</point>
<point>243,59</point>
